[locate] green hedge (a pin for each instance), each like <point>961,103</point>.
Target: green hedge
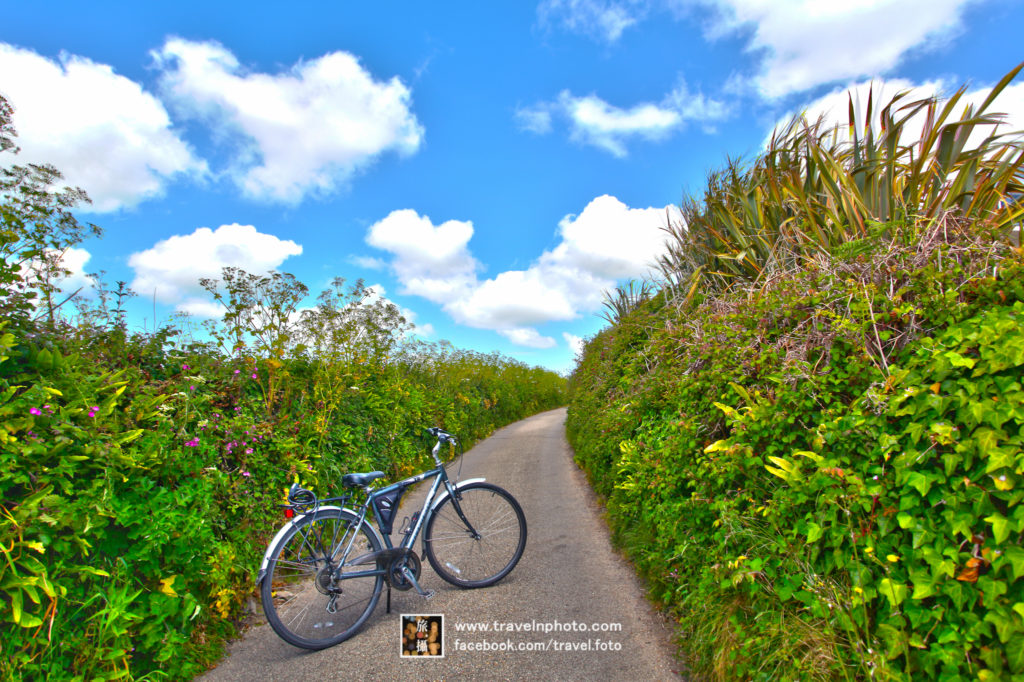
<point>139,481</point>
<point>820,476</point>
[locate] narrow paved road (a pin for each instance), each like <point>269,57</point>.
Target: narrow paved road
<point>569,576</point>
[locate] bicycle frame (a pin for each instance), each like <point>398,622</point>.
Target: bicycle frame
<point>433,499</point>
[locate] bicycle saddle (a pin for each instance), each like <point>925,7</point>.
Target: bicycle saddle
<point>359,480</point>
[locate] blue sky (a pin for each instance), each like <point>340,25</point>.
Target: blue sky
<point>492,167</point>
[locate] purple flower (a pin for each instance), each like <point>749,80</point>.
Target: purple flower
<point>191,388</point>
<point>184,367</point>
<point>34,410</point>
<point>194,443</point>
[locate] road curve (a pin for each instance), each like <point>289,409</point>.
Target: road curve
<point>568,578</point>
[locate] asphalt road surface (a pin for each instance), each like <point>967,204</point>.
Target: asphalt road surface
<point>568,579</point>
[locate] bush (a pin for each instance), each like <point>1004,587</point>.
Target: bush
<point>831,459</point>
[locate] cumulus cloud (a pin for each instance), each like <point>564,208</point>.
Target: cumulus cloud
<point>101,130</point>
<point>530,338</point>
<point>603,20</point>
<point>430,261</point>
<point>172,268</point>
<point>595,122</point>
<point>306,130</point>
<point>607,242</point>
<point>805,43</point>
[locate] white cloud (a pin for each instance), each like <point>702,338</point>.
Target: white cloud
<point>101,130</point>
<point>607,242</point>
<point>535,119</point>
<point>805,43</point>
<point>530,338</point>
<point>307,130</point>
<point>574,342</point>
<point>598,123</point>
<point>595,122</point>
<point>430,261</point>
<point>368,262</point>
<point>173,266</point>
<point>600,19</point>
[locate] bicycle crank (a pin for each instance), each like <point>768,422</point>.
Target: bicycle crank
<point>397,574</point>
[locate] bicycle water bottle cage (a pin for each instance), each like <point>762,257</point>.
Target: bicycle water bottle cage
<point>360,480</point>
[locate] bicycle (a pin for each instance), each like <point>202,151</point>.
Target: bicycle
<point>324,571</point>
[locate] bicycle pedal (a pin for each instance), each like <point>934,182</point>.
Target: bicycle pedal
<point>429,594</point>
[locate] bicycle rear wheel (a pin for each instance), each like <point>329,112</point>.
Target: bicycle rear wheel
<point>479,560</point>
<point>304,601</point>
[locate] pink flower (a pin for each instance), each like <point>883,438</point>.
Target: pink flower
<point>194,443</point>
<point>248,451</point>
<point>184,367</point>
<point>191,388</point>
<point>246,473</point>
<point>237,371</point>
<point>34,410</point>
<point>254,375</point>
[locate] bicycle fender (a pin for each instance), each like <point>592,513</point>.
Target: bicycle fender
<point>272,547</point>
<point>444,495</point>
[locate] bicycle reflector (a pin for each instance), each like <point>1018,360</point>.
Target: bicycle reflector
<point>289,512</point>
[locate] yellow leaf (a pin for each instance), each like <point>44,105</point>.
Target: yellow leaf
<point>936,387</point>
<point>165,586</point>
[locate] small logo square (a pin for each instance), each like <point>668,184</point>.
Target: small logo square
<point>422,635</point>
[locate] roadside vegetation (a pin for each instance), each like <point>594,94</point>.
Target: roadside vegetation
<point>140,472</point>
<point>808,431</point>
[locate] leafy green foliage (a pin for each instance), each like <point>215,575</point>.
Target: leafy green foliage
<point>833,460</point>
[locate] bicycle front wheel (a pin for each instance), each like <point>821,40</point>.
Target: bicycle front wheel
<point>486,550</point>
<point>309,601</point>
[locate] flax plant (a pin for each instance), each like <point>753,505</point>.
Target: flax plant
<point>817,187</point>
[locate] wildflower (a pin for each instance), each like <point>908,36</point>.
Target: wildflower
<point>194,443</point>
<point>93,410</point>
<point>248,451</point>
<point>246,473</point>
<point>34,410</point>
<point>254,375</point>
<point>237,371</point>
<point>892,558</point>
<point>48,409</point>
<point>191,388</point>
<point>184,367</point>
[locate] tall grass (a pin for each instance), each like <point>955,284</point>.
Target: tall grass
<point>817,187</point>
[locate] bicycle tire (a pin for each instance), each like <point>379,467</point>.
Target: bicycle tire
<point>296,589</point>
<point>470,562</point>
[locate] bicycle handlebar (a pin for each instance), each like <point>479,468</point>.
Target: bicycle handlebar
<point>441,434</point>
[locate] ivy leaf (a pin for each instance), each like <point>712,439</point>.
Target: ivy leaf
<point>1015,555</point>
<point>957,360</point>
<point>1015,653</point>
<point>893,591</point>
<point>1000,527</point>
